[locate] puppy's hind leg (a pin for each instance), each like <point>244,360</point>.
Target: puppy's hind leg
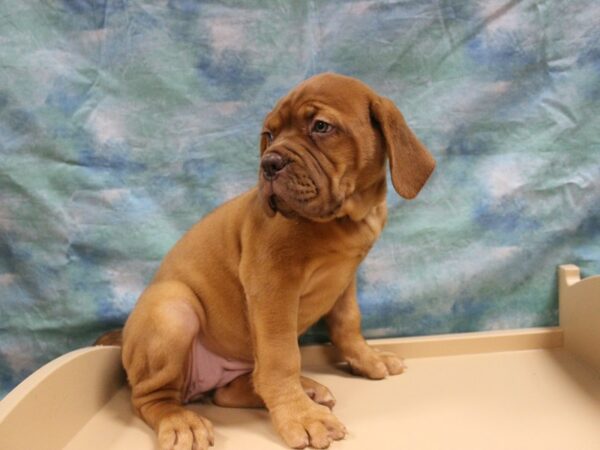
<point>156,344</point>
<point>240,393</point>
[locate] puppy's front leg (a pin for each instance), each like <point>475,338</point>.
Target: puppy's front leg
<point>273,315</point>
<point>344,329</point>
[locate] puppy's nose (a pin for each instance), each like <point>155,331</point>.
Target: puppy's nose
<point>271,164</point>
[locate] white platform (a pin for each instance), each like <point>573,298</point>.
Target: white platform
<point>523,389</point>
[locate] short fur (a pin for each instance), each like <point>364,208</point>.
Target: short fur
<point>257,272</point>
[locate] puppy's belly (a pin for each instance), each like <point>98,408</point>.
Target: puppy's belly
<point>208,371</point>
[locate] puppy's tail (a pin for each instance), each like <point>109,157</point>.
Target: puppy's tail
<point>112,337</point>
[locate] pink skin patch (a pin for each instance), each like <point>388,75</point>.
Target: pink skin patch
<point>208,371</point>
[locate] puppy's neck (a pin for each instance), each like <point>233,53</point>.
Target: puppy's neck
<point>361,204</point>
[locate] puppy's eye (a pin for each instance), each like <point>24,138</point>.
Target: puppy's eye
<point>268,137</point>
<point>321,127</point>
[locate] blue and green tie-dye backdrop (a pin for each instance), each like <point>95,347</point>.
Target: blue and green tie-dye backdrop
<point>123,122</point>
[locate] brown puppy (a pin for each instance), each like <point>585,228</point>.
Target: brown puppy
<point>232,296</point>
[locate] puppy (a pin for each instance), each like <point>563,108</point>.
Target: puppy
<point>225,309</point>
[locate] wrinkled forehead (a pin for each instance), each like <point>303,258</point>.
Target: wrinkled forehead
<point>335,99</point>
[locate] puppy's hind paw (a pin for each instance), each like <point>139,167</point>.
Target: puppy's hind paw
<point>317,392</point>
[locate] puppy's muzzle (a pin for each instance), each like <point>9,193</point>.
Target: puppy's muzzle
<point>272,163</point>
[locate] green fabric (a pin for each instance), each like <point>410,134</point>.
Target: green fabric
<point>123,122</point>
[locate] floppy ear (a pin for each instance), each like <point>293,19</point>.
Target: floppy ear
<point>411,164</point>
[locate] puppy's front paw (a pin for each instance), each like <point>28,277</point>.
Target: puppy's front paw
<point>376,365</point>
<point>307,424</point>
<point>185,430</point>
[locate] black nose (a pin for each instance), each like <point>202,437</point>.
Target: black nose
<point>272,163</point>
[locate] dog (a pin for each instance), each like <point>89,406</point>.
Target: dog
<point>224,311</point>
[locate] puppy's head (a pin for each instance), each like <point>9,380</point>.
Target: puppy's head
<point>323,150</point>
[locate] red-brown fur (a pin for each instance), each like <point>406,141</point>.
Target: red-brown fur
<point>259,270</point>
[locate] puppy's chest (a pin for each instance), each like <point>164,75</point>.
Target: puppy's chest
<point>323,286</point>
<point>330,274</point>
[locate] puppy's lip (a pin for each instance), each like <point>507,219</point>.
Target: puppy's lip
<point>269,196</point>
<point>273,202</point>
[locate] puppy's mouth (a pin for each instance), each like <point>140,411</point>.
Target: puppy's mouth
<point>294,193</point>
<point>277,204</point>
<point>273,202</point>
<point>277,200</point>
<point>269,196</point>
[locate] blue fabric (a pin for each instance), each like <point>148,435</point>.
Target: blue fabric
<point>123,122</point>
